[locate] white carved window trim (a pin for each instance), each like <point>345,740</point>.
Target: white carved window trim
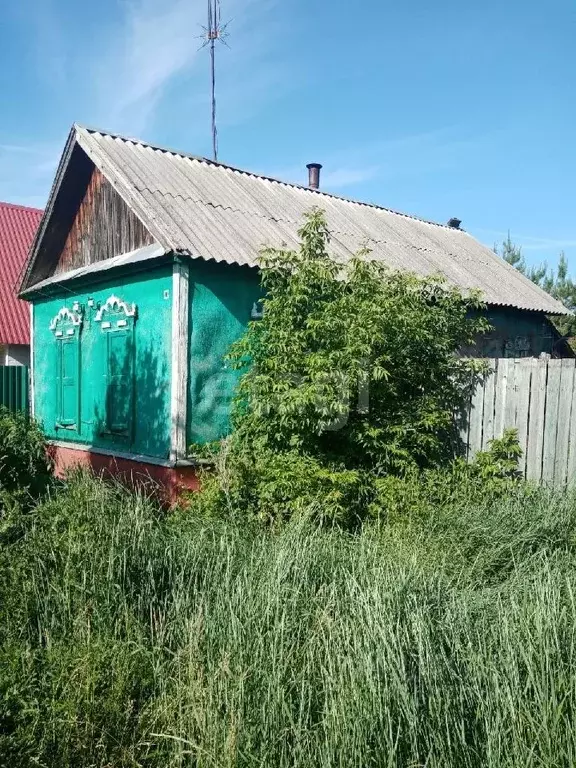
<point>257,312</point>
<point>116,305</point>
<point>66,316</point>
<point>66,326</point>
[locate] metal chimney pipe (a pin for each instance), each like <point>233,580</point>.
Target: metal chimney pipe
<point>314,175</point>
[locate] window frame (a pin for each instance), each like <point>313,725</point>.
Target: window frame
<point>66,327</point>
<point>117,318</point>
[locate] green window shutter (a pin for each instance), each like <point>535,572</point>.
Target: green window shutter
<point>68,374</point>
<point>120,379</point>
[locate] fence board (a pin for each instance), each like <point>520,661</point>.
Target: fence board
<point>551,420</point>
<point>14,387</point>
<point>475,422</point>
<point>535,442</point>
<point>488,416</point>
<point>511,400</point>
<point>563,431</point>
<point>523,387</point>
<point>503,369</point>
<point>571,469</point>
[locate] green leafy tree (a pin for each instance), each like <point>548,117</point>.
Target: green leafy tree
<point>353,362</point>
<point>25,467</point>
<point>352,373</point>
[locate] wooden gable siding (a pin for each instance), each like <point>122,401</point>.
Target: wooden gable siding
<point>103,227</point>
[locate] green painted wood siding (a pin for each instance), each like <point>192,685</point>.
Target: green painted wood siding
<point>122,389</point>
<point>221,300</point>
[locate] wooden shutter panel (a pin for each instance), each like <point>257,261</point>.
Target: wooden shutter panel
<point>69,382</point>
<point>120,382</point>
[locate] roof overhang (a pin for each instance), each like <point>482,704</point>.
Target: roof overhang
<point>134,261</point>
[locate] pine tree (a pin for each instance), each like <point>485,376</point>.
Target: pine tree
<point>555,282</point>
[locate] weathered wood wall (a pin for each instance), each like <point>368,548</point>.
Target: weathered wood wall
<point>538,398</point>
<point>104,226</point>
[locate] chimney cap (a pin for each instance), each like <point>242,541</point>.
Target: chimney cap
<point>314,175</point>
<point>454,223</point>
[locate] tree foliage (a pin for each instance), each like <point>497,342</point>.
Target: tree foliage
<point>354,363</point>
<point>556,282</point>
<point>25,468</point>
<point>353,373</point>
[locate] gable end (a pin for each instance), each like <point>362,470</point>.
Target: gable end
<point>86,221</point>
<point>104,227</point>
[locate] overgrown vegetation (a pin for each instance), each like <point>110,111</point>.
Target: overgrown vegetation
<point>25,469</point>
<point>132,638</point>
<point>440,633</point>
<point>353,374</point>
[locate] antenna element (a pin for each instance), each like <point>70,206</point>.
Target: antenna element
<point>214,32</point>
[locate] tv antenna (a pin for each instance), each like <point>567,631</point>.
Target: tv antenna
<point>214,32</point>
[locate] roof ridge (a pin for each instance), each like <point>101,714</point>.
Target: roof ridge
<point>17,206</point>
<point>225,166</point>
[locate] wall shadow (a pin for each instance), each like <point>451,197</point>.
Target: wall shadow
<point>132,416</point>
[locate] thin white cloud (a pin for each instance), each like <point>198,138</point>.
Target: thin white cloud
<point>153,43</point>
<point>530,242</point>
<point>26,172</point>
<point>338,178</point>
<point>159,41</point>
<point>141,54</point>
<point>400,157</point>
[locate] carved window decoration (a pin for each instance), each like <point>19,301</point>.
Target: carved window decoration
<point>66,327</point>
<point>519,346</point>
<point>257,312</point>
<point>115,309</point>
<point>116,318</point>
<point>67,322</point>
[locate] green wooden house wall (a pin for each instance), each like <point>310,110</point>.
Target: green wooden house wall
<point>518,333</point>
<point>221,301</point>
<point>106,382</point>
<point>113,383</point>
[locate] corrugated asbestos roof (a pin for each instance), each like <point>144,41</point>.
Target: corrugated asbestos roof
<point>213,211</point>
<point>18,226</point>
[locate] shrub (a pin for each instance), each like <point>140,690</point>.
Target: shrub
<point>273,487</point>
<point>492,474</point>
<point>353,374</point>
<point>25,468</point>
<point>353,363</point>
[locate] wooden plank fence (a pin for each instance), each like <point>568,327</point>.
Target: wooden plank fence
<point>538,399</point>
<point>14,387</point>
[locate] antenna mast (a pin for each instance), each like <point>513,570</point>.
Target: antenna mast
<point>215,31</point>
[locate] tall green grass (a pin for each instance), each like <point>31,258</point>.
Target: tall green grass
<point>129,638</point>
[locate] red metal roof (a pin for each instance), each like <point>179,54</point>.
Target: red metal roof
<point>18,226</point>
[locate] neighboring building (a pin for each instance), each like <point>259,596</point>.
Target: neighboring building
<point>144,271</point>
<point>18,226</point>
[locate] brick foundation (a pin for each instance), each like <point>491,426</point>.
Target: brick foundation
<point>170,481</point>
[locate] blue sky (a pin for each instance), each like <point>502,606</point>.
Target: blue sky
<point>436,109</point>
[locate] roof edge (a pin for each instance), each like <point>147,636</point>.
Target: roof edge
<point>56,184</point>
<point>320,192</point>
<point>18,207</point>
<point>138,257</point>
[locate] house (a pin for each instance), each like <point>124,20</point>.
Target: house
<point>144,271</point>
<point>18,226</point>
